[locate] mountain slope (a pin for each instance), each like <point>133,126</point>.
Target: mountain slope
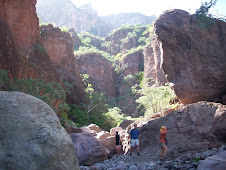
<point>65,13</point>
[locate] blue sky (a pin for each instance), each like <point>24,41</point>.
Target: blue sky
<point>149,7</point>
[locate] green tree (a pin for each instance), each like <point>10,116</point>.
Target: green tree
<point>155,99</point>
<point>205,7</point>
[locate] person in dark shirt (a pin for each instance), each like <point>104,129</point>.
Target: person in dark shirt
<point>117,143</point>
<point>134,139</point>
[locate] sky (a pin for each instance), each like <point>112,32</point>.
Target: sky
<point>149,7</point>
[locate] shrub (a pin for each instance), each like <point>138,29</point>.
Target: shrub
<point>3,78</point>
<point>64,28</point>
<point>155,99</point>
<point>50,92</point>
<point>86,50</point>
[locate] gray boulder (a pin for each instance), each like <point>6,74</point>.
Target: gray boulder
<point>88,149</point>
<point>216,162</point>
<point>190,130</point>
<point>31,136</point>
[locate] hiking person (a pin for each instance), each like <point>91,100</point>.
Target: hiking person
<point>117,143</point>
<point>162,142</point>
<point>134,136</point>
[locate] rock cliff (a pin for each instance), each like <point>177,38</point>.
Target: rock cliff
<point>193,55</point>
<point>100,71</point>
<point>153,65</point>
<point>115,40</point>
<point>21,51</point>
<point>65,13</point>
<point>60,48</point>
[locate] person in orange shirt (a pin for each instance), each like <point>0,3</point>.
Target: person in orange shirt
<point>162,142</point>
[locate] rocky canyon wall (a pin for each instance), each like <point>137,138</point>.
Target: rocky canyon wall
<point>21,51</point>
<point>153,65</point>
<point>193,55</point>
<point>60,48</point>
<point>100,71</point>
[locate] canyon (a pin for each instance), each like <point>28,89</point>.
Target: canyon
<point>180,52</point>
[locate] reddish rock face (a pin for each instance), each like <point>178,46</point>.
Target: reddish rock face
<point>115,40</point>
<point>152,65</point>
<point>21,51</point>
<point>100,71</point>
<point>60,48</point>
<point>131,64</point>
<point>193,57</point>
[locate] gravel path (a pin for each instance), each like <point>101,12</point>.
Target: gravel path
<point>148,162</point>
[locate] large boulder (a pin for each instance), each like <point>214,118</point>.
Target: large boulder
<point>191,129</point>
<point>125,124</point>
<point>94,127</point>
<point>109,143</point>
<point>113,130</point>
<point>214,162</point>
<point>102,135</point>
<point>88,149</point>
<point>32,136</point>
<point>192,53</point>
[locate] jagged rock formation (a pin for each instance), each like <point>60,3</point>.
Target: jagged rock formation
<point>191,129</point>
<point>115,40</point>
<point>100,71</point>
<point>21,51</point>
<point>37,140</point>
<point>193,57</point>
<point>76,40</point>
<point>131,65</point>
<point>64,12</point>
<point>153,65</point>
<point>60,48</point>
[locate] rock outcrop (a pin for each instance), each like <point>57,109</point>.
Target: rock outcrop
<point>88,149</point>
<point>60,48</point>
<point>193,55</point>
<point>115,40</point>
<point>21,51</point>
<point>153,65</point>
<point>190,129</point>
<point>100,71</point>
<point>214,162</point>
<point>131,65</point>
<point>32,136</point>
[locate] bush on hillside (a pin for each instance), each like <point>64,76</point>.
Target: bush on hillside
<point>87,50</point>
<point>50,92</point>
